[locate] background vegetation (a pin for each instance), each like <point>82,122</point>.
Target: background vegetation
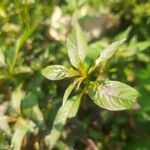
<point>33,36</point>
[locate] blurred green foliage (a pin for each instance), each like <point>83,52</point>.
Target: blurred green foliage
<point>33,36</point>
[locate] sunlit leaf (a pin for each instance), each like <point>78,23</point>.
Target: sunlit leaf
<point>2,12</point>
<point>2,58</point>
<point>113,95</point>
<point>3,107</point>
<point>17,96</point>
<point>59,122</point>
<point>57,72</point>
<point>76,45</point>
<point>123,34</point>
<point>21,128</point>
<point>141,46</point>
<point>69,90</point>
<point>4,119</point>
<point>75,106</point>
<point>22,69</point>
<point>4,126</point>
<point>108,52</point>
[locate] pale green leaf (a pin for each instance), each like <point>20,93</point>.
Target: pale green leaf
<point>58,72</point>
<point>69,90</point>
<point>22,69</point>
<point>3,12</point>
<point>21,128</point>
<point>59,122</point>
<point>4,126</point>
<point>108,52</point>
<point>16,97</point>
<point>76,45</point>
<point>123,34</point>
<point>113,95</point>
<point>2,58</point>
<point>75,106</point>
<point>141,46</point>
<point>3,107</point>
<point>4,119</point>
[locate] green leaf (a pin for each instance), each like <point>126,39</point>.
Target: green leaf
<point>75,106</point>
<point>69,90</point>
<point>3,74</point>
<point>108,52</point>
<point>4,119</point>
<point>123,34</point>
<point>21,128</point>
<point>58,72</point>
<point>13,52</point>
<point>31,109</point>
<point>141,46</point>
<point>22,70</point>
<point>4,126</point>
<point>16,97</point>
<point>113,95</point>
<point>76,45</point>
<point>2,58</point>
<point>59,122</point>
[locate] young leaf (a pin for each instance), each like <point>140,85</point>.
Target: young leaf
<point>108,52</point>
<point>59,122</point>
<point>21,128</point>
<point>70,89</point>
<point>76,45</point>
<point>113,95</point>
<point>57,72</point>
